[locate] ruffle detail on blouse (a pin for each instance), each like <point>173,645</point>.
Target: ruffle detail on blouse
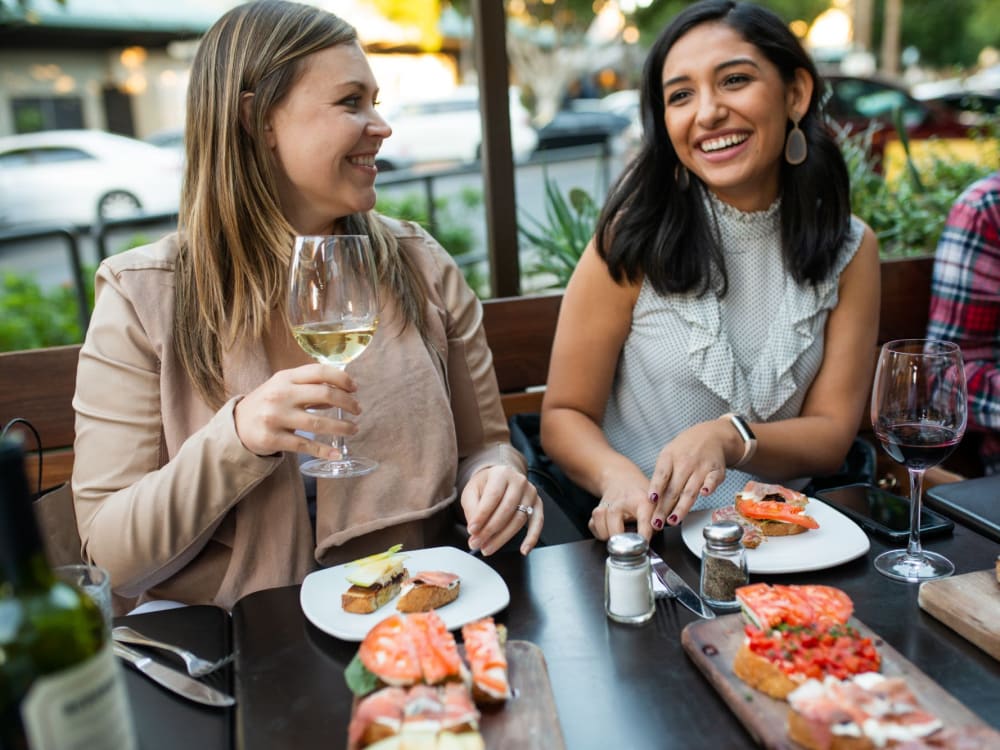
<point>770,383</point>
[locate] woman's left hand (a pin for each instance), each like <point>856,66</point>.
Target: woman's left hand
<point>498,501</point>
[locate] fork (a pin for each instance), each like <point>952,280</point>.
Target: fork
<point>196,666</point>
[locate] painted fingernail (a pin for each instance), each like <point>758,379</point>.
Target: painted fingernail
<point>673,520</point>
<point>704,490</point>
<point>657,523</point>
<point>654,497</point>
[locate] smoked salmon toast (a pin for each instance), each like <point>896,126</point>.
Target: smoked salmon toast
<point>408,649</point>
<point>484,648</point>
<point>775,510</point>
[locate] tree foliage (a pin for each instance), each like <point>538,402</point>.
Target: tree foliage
<point>947,34</point>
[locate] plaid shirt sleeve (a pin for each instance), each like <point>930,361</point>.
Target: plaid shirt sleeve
<point>965,301</point>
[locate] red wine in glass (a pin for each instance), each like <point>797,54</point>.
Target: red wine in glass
<point>919,412</point>
<point>919,445</point>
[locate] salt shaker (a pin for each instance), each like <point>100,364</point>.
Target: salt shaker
<point>628,590</point>
<point>723,564</point>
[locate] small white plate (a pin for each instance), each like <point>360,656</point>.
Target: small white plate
<point>483,593</point>
<point>837,540</point>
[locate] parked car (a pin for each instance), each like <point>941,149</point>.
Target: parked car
<point>172,138</point>
<point>578,128</point>
<point>972,107</point>
<point>934,131</point>
<point>448,129</point>
<point>858,103</point>
<point>82,177</point>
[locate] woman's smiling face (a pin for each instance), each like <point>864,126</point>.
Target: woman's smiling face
<point>726,108</point>
<point>324,135</point>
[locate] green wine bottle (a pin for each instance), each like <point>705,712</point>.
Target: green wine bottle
<point>59,684</point>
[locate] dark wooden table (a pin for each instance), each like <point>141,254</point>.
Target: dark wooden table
<point>165,721</point>
<point>615,686</point>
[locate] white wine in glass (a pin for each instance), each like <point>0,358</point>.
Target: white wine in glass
<point>919,412</point>
<point>333,311</point>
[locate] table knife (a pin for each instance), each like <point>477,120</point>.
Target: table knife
<point>173,680</point>
<point>678,588</point>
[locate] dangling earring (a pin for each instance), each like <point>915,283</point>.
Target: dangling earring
<point>796,148</point>
<point>681,176</point>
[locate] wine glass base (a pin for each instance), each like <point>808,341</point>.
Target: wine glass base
<point>338,469</point>
<point>897,564</point>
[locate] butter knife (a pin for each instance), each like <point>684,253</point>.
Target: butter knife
<point>173,680</point>
<point>677,588</point>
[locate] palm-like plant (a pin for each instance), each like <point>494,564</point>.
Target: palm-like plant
<point>561,238</point>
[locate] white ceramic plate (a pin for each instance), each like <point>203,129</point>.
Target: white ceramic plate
<point>483,593</point>
<point>837,540</point>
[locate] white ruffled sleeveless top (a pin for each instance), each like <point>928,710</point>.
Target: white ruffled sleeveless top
<point>755,352</point>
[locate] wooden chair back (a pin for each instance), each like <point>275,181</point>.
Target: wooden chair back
<point>38,385</point>
<point>520,331</point>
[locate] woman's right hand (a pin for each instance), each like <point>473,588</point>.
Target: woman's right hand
<point>267,418</point>
<point>625,499</point>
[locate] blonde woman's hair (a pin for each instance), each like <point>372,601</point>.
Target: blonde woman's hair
<point>235,242</point>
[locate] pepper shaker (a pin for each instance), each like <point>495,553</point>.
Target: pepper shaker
<point>628,589</point>
<point>723,564</point>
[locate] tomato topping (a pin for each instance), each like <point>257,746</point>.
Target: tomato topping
<point>815,650</point>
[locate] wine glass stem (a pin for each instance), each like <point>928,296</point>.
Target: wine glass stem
<point>913,548</point>
<point>339,441</point>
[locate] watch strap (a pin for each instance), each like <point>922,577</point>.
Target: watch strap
<point>749,439</point>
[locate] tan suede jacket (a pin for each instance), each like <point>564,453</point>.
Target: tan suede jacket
<point>172,504</point>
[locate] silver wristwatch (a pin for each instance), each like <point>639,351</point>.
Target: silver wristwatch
<point>749,439</point>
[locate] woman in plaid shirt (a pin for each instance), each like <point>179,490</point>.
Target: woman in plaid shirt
<point>965,304</point>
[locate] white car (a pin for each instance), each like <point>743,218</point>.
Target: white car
<point>448,130</point>
<point>81,177</point>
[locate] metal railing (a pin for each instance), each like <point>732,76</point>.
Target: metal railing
<point>71,235</point>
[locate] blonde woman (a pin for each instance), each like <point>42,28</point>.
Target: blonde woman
<point>192,395</point>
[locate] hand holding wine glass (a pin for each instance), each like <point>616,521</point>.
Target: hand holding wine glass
<point>919,411</point>
<point>333,311</point>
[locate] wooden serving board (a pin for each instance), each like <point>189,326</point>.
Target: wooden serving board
<point>528,719</point>
<point>969,604</point>
<point>712,645</point>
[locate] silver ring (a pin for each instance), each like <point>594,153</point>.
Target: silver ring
<point>526,509</point>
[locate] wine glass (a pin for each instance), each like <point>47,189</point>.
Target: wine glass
<point>919,411</point>
<point>333,311</point>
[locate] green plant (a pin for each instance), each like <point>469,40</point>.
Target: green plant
<point>454,233</point>
<point>907,211</point>
<point>561,238</point>
<point>31,317</point>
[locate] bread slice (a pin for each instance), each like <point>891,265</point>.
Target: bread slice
<point>776,528</point>
<point>426,591</point>
<point>762,674</point>
<point>363,600</point>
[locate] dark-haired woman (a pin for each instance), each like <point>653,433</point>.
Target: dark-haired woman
<point>721,325</point>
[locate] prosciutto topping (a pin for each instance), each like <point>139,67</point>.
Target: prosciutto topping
<point>435,578</point>
<point>752,535</point>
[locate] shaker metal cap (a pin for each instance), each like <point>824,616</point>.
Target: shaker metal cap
<point>627,545</point>
<point>723,533</point>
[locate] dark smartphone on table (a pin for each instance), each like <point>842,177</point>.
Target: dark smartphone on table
<point>881,512</point>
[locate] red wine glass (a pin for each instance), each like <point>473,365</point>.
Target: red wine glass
<point>919,410</point>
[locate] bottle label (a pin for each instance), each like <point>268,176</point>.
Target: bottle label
<point>84,706</point>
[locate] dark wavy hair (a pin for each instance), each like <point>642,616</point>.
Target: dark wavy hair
<point>649,226</point>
